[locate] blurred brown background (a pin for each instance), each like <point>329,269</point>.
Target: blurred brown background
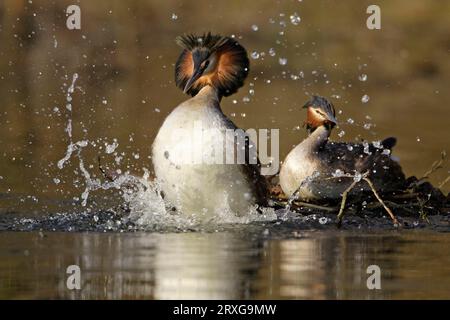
<point>125,53</point>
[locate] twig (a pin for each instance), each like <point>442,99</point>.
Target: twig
<point>394,219</point>
<point>435,166</point>
<point>404,196</point>
<point>344,199</point>
<point>283,202</point>
<point>315,206</point>
<point>444,182</point>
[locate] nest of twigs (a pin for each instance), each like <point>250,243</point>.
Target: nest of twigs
<point>418,199</point>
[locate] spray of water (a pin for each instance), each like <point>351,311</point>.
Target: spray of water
<point>142,197</point>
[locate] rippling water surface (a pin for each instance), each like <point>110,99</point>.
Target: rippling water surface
<point>246,262</point>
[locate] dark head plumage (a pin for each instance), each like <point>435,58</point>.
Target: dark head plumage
<point>320,112</point>
<point>211,60</point>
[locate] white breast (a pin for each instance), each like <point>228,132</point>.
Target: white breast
<point>181,154</point>
<point>296,169</point>
<point>305,172</point>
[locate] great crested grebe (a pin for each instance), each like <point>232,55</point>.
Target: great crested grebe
<point>185,151</point>
<point>317,167</point>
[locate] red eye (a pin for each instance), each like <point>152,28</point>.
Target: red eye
<point>204,64</point>
<point>320,113</point>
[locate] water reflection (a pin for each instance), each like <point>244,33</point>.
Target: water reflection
<point>224,265</point>
<point>205,266</point>
<point>327,267</point>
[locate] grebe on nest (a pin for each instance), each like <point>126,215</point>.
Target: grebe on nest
<point>316,168</point>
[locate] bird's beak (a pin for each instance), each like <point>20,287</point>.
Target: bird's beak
<point>332,119</point>
<point>197,74</point>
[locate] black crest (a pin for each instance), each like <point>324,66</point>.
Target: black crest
<point>321,102</point>
<point>208,41</point>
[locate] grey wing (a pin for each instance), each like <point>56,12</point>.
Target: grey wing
<point>252,166</point>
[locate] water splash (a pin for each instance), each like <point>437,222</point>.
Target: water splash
<point>296,195</point>
<point>148,208</point>
<point>142,200</point>
<point>71,147</point>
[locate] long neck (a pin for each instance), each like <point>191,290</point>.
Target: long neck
<point>207,98</point>
<point>208,93</point>
<point>317,138</point>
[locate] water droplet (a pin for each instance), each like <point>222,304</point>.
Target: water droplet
<point>357,177</point>
<point>111,147</point>
<point>245,99</point>
<point>295,19</point>
<point>255,55</point>
<point>366,148</point>
<point>365,98</point>
<point>282,61</point>
<point>255,27</point>
<point>338,173</point>
<point>350,121</point>
<point>174,16</point>
<point>341,134</point>
<point>377,144</point>
<point>367,126</point>
<point>362,77</point>
<point>272,52</point>
<point>323,220</point>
